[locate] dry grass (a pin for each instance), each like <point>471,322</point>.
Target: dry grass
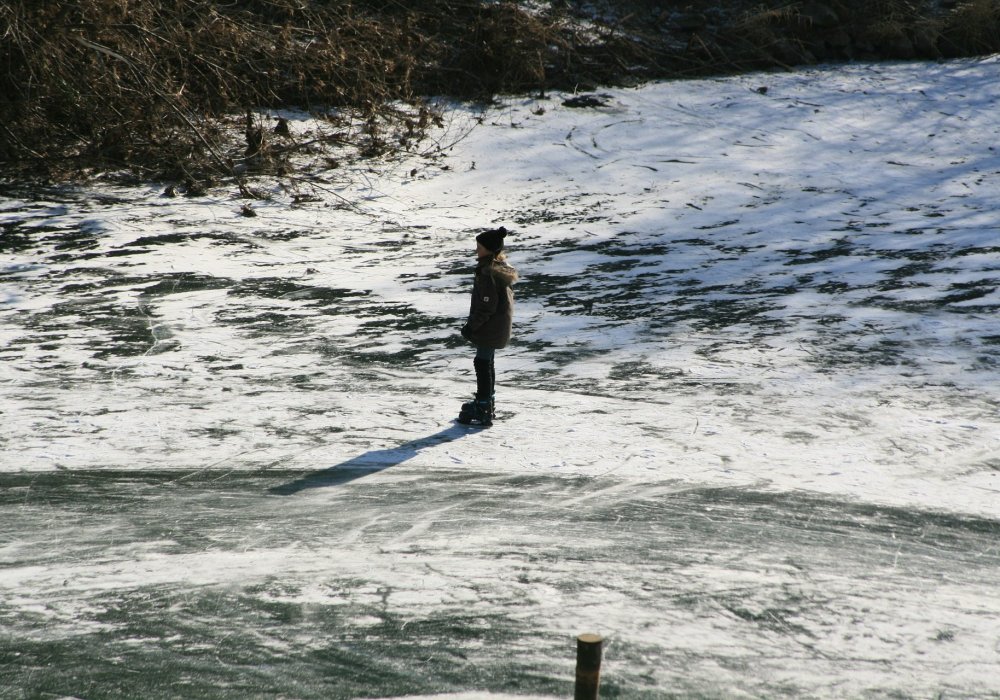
<point>973,28</point>
<point>150,88</point>
<point>110,84</point>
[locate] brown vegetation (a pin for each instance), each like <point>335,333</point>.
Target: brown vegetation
<point>151,88</point>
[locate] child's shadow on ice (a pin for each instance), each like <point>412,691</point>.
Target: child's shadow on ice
<point>368,463</point>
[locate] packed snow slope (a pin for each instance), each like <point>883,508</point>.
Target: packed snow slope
<point>748,428</point>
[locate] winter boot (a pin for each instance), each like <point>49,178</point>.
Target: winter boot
<point>470,406</point>
<point>468,411</point>
<point>480,414</point>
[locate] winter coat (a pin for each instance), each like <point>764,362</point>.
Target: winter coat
<point>491,314</point>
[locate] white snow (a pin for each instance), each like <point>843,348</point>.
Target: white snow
<point>720,183</point>
<point>792,292</point>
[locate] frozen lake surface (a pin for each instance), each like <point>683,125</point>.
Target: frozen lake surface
<point>749,426</point>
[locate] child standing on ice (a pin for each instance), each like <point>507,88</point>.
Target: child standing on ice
<point>491,318</point>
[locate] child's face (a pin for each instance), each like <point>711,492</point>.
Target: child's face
<point>481,250</point>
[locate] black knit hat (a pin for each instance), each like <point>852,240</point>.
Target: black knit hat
<point>492,240</point>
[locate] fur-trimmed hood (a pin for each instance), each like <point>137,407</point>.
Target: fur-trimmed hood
<point>504,274</point>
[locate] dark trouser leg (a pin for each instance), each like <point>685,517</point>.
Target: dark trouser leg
<point>486,375</point>
<point>484,379</point>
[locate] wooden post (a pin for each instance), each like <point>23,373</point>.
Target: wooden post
<point>588,666</point>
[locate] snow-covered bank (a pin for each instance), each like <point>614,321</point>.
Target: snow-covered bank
<point>741,309</point>
<point>797,288</point>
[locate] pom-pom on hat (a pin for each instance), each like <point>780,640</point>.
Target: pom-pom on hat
<point>492,240</point>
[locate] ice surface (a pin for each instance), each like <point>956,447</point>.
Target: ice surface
<point>748,430</point>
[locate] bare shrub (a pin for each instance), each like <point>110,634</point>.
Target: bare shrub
<point>144,86</point>
<point>972,28</point>
<point>176,88</point>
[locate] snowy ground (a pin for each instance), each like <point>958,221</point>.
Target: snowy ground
<point>749,426</point>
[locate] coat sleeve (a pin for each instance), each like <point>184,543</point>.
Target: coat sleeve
<point>485,300</point>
